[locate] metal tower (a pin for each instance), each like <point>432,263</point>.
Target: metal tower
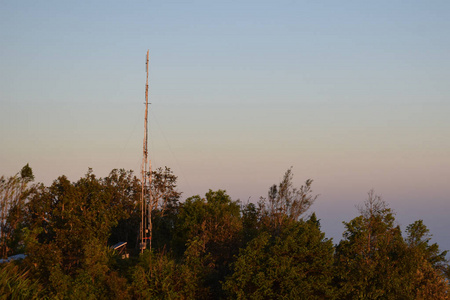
<point>145,234</point>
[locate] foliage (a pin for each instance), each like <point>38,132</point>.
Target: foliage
<point>26,173</point>
<point>65,216</point>
<point>374,261</point>
<point>296,264</point>
<point>427,262</point>
<point>166,205</point>
<point>159,276</point>
<point>164,191</point>
<point>13,197</point>
<point>17,284</point>
<point>286,203</point>
<point>214,223</point>
<point>209,247</point>
<point>250,222</point>
<point>124,189</point>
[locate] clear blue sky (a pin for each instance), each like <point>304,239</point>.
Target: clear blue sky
<point>353,94</point>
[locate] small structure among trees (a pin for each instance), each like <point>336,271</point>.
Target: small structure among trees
<point>121,248</point>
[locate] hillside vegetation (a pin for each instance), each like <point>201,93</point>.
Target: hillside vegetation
<point>207,247</point>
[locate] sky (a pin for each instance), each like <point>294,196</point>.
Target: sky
<point>351,94</point>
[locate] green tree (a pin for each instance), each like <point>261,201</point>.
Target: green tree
<point>165,207</point>
<point>27,173</point>
<point>215,223</point>
<point>295,264</point>
<point>124,188</point>
<point>250,222</point>
<point>215,219</point>
<point>427,263</point>
<point>17,284</point>
<point>96,279</point>
<point>418,239</point>
<point>369,257</point>
<point>288,257</point>
<point>160,276</point>
<point>374,261</point>
<point>285,203</point>
<point>14,193</point>
<point>66,217</point>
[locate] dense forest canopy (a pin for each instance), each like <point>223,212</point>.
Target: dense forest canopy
<point>207,247</point>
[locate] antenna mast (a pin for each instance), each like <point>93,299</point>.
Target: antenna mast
<point>145,233</point>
